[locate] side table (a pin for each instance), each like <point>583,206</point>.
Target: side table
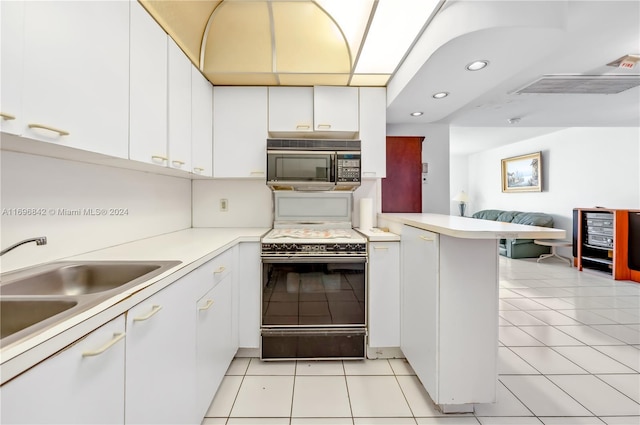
<point>553,243</point>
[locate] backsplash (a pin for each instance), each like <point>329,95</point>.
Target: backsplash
<point>83,207</point>
<point>249,203</point>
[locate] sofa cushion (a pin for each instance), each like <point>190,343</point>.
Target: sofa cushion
<point>533,219</point>
<point>487,214</point>
<point>508,216</point>
<point>518,248</point>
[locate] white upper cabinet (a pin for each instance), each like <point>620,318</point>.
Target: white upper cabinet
<point>148,97</point>
<point>201,124</point>
<point>373,131</point>
<point>325,111</point>
<point>335,109</point>
<point>239,132</point>
<point>76,74</point>
<point>11,59</point>
<point>179,108</point>
<point>290,109</point>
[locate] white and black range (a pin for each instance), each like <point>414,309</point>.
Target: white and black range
<point>314,280</point>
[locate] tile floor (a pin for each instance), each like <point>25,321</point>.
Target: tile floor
<point>569,354</point>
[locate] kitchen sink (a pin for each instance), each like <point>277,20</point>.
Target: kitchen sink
<point>79,278</point>
<point>37,298</point>
<point>16,315</point>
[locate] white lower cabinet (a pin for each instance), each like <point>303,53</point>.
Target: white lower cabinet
<point>450,315</point>
<point>214,344</point>
<point>419,305</point>
<point>384,294</point>
<point>159,363</point>
<point>81,384</point>
<point>160,360</point>
<point>249,290</point>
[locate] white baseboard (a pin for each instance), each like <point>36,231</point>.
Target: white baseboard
<point>384,353</point>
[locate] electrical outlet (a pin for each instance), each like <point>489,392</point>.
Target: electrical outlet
<point>224,205</point>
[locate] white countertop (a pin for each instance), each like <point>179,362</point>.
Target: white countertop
<point>193,247</point>
<point>470,228</point>
<point>378,235</point>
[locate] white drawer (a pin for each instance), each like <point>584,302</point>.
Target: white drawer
<point>221,266</point>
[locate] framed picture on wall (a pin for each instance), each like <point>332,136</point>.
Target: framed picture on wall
<point>522,173</point>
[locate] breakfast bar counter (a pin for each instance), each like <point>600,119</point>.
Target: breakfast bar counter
<point>449,302</point>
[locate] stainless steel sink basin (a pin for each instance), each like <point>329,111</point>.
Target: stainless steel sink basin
<point>37,298</point>
<point>79,279</point>
<point>16,315</point>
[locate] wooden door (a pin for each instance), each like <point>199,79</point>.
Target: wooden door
<point>402,188</point>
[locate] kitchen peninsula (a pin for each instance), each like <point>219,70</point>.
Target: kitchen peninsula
<point>449,302</point>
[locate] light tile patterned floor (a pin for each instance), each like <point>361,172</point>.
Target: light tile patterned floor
<point>569,355</point>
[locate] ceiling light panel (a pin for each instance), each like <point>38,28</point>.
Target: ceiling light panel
<point>352,17</point>
<point>308,40</point>
<point>395,26</point>
<point>184,21</point>
<point>373,80</point>
<point>239,39</point>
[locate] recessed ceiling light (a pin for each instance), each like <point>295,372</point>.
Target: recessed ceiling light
<point>477,65</point>
<point>416,114</point>
<point>440,95</point>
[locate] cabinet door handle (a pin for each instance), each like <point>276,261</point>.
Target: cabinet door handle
<point>159,158</point>
<point>426,238</point>
<point>324,126</point>
<point>381,248</point>
<point>49,128</point>
<point>257,173</point>
<point>7,117</point>
<point>154,310</point>
<point>177,163</point>
<point>302,127</point>
<point>198,170</point>
<point>219,270</point>
<point>116,337</point>
<point>206,306</point>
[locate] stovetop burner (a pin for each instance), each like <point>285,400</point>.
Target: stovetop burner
<point>304,233</point>
<point>313,241</point>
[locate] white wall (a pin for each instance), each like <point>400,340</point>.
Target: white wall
<point>459,180</point>
<point>153,205</point>
<point>435,151</point>
<point>250,203</point>
<point>581,167</point>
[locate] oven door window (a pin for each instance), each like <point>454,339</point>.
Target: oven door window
<point>314,293</point>
<point>301,167</point>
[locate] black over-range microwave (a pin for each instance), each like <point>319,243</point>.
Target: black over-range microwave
<point>309,164</point>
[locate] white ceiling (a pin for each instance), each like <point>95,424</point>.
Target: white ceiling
<point>524,41</point>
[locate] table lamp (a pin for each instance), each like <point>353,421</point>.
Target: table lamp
<point>462,198</point>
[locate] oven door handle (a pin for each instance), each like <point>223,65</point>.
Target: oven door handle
<point>304,259</point>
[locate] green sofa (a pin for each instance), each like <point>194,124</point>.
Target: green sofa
<point>519,248</point>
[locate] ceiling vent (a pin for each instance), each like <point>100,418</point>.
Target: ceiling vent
<point>581,84</point>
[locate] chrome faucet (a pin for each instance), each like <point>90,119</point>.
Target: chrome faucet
<point>40,240</point>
